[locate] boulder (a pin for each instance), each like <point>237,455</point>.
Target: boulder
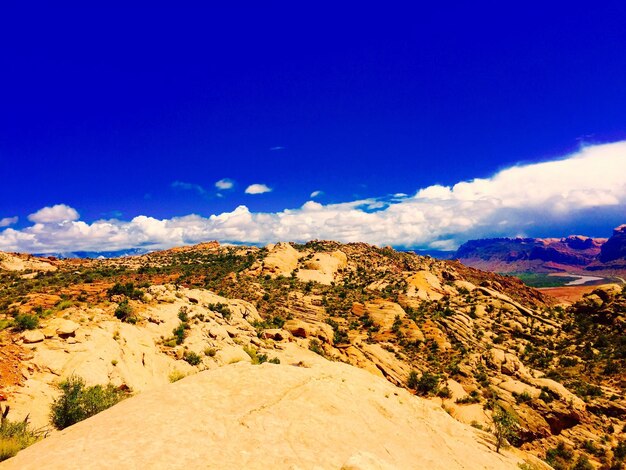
<point>33,336</point>
<point>67,328</point>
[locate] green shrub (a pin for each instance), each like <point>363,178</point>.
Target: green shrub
<point>413,380</point>
<point>78,402</point>
<point>559,455</point>
<point>124,312</point>
<point>505,426</point>
<point>127,289</point>
<point>426,384</point>
<point>183,314</point>
<point>192,358</point>
<point>316,347</point>
<point>179,333</point>
<point>15,436</point>
<point>25,322</point>
<point>63,304</point>
<point>221,309</point>
<point>255,356</point>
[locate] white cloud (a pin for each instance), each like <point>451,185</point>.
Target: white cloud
<point>189,187</point>
<point>224,183</point>
<point>58,213</point>
<point>315,194</point>
<point>258,189</point>
<point>588,184</point>
<point>6,221</point>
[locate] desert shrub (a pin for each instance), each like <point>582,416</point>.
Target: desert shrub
<point>176,375</point>
<point>15,436</point>
<point>221,309</point>
<point>179,333</point>
<point>64,304</point>
<point>78,401</point>
<point>559,456</point>
<point>255,356</point>
<point>316,347</point>
<point>25,322</point>
<point>523,397</point>
<point>211,352</point>
<point>127,289</point>
<point>505,426</point>
<point>183,314</point>
<point>413,380</point>
<point>428,383</point>
<point>192,358</point>
<point>473,397</point>
<point>124,312</point>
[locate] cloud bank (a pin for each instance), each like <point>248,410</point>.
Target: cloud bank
<point>511,202</point>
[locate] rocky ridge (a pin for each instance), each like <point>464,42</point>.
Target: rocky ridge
<point>461,338</point>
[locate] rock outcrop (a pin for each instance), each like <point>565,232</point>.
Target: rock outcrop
<point>329,416</point>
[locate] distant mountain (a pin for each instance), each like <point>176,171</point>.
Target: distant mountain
<point>575,253</point>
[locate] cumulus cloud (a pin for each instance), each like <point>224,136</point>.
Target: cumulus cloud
<point>6,221</point>
<point>224,184</point>
<point>258,189</point>
<point>589,183</point>
<point>315,194</point>
<point>58,213</point>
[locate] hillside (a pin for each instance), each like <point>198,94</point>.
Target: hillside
<point>465,340</point>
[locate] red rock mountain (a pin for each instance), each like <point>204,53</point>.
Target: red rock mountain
<point>575,253</point>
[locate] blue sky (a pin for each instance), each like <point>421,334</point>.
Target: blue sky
<point>130,113</point>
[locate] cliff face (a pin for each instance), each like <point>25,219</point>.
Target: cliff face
<point>615,247</point>
<point>530,254</point>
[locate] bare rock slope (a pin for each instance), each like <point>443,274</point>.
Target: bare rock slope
<point>329,415</point>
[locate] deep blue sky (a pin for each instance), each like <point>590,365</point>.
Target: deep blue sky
<point>103,109</point>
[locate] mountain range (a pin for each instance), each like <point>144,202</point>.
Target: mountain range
<point>572,254</point>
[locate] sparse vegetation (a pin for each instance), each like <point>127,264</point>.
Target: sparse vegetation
<point>79,401</point>
<point>125,312</point>
<point>25,322</point>
<point>505,426</point>
<point>15,435</point>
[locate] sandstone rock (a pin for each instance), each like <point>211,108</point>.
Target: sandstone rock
<point>33,336</point>
<point>67,328</point>
<point>383,312</point>
<point>281,260</point>
<point>275,334</point>
<point>424,285</point>
<point>268,416</point>
<point>49,332</point>
<point>231,355</point>
<point>304,329</point>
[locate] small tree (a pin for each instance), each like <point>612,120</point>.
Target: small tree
<point>505,426</point>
